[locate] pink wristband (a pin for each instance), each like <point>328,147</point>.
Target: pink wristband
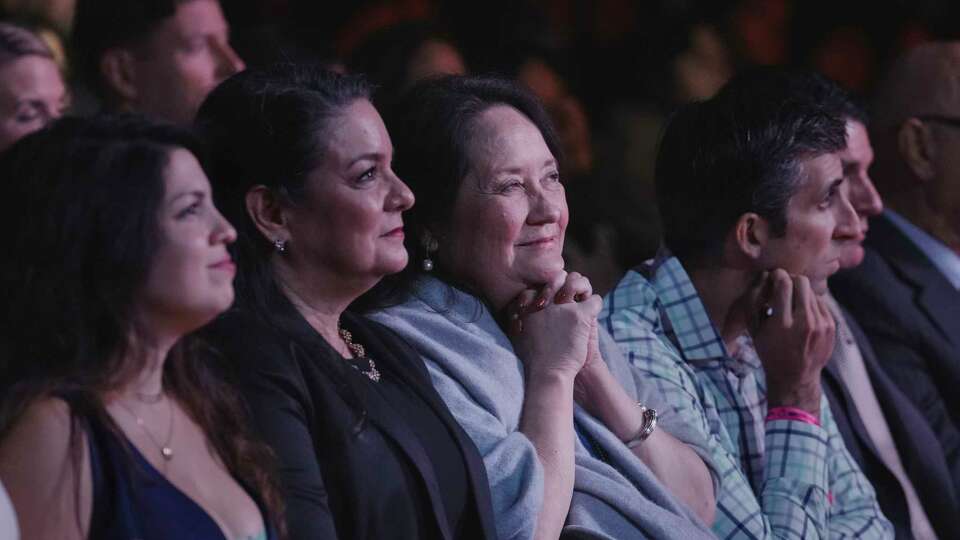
<point>792,413</point>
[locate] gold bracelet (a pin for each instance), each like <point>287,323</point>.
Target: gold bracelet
<point>646,428</point>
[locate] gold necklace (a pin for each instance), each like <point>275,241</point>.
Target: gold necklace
<point>359,353</point>
<point>165,449</point>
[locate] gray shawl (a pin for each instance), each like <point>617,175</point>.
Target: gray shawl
<point>475,370</point>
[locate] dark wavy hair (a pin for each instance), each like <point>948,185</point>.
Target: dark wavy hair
<point>81,206</point>
<point>739,152</point>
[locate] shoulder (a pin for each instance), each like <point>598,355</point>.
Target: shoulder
<point>440,323</point>
<point>40,440</point>
<point>634,298</point>
<point>48,422</point>
<point>45,466</point>
<point>246,344</point>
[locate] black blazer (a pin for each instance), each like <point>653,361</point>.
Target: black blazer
<point>916,443</point>
<point>911,315</point>
<point>340,482</point>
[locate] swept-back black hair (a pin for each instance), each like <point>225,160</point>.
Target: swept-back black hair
<point>739,152</point>
<point>268,127</point>
<point>385,56</point>
<point>81,205</point>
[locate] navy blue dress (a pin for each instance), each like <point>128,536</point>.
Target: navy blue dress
<point>133,500</point>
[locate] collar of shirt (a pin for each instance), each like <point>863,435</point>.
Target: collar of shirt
<point>944,258</point>
<point>694,332</point>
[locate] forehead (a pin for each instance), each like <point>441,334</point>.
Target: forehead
<point>502,136</point>
<point>183,174</point>
<point>816,175</point>
<point>192,17</point>
<point>358,130</point>
<point>858,144</point>
<point>31,76</point>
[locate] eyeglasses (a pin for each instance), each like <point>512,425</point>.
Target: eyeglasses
<point>946,120</point>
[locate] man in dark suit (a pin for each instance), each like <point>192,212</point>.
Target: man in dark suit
<point>905,294</point>
<point>885,432</point>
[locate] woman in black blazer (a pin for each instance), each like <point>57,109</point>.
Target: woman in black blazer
<point>366,448</point>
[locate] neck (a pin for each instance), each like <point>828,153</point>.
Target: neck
<point>320,299</point>
<point>149,382</point>
<point>720,289</point>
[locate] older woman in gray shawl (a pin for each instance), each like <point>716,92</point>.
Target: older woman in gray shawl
<point>569,438</point>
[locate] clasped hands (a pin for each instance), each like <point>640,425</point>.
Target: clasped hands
<point>554,331</point>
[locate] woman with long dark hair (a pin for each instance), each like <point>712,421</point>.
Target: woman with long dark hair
<point>112,426</point>
<point>367,449</point>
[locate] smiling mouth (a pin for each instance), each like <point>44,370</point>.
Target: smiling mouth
<point>394,233</point>
<point>539,242</point>
<point>226,264</point>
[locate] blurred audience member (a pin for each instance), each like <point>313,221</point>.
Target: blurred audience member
<point>511,339</point>
<point>57,14</point>
<point>367,448</point>
<point>32,91</point>
<point>115,427</point>
<point>157,57</point>
<point>397,57</point>
<point>905,293</point>
<point>679,56</point>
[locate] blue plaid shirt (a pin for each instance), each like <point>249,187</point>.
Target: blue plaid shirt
<point>777,479</point>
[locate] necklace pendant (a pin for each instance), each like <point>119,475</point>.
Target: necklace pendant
<point>373,373</point>
<point>167,453</point>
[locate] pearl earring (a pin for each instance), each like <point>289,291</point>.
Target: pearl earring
<point>280,245</point>
<point>429,245</point>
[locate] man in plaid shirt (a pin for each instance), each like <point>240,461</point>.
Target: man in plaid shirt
<point>727,320</point>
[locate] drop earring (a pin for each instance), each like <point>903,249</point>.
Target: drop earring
<point>430,245</point>
<point>280,245</point>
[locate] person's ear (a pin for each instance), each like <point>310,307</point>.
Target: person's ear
<point>917,148</point>
<point>269,215</point>
<point>117,67</point>
<point>750,235</point>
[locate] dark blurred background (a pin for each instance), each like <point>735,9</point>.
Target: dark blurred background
<point>608,71</point>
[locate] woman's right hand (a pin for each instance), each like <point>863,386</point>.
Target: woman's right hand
<point>552,337</point>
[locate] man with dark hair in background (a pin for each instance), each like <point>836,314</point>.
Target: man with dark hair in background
<point>728,319</point>
<point>157,57</point>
